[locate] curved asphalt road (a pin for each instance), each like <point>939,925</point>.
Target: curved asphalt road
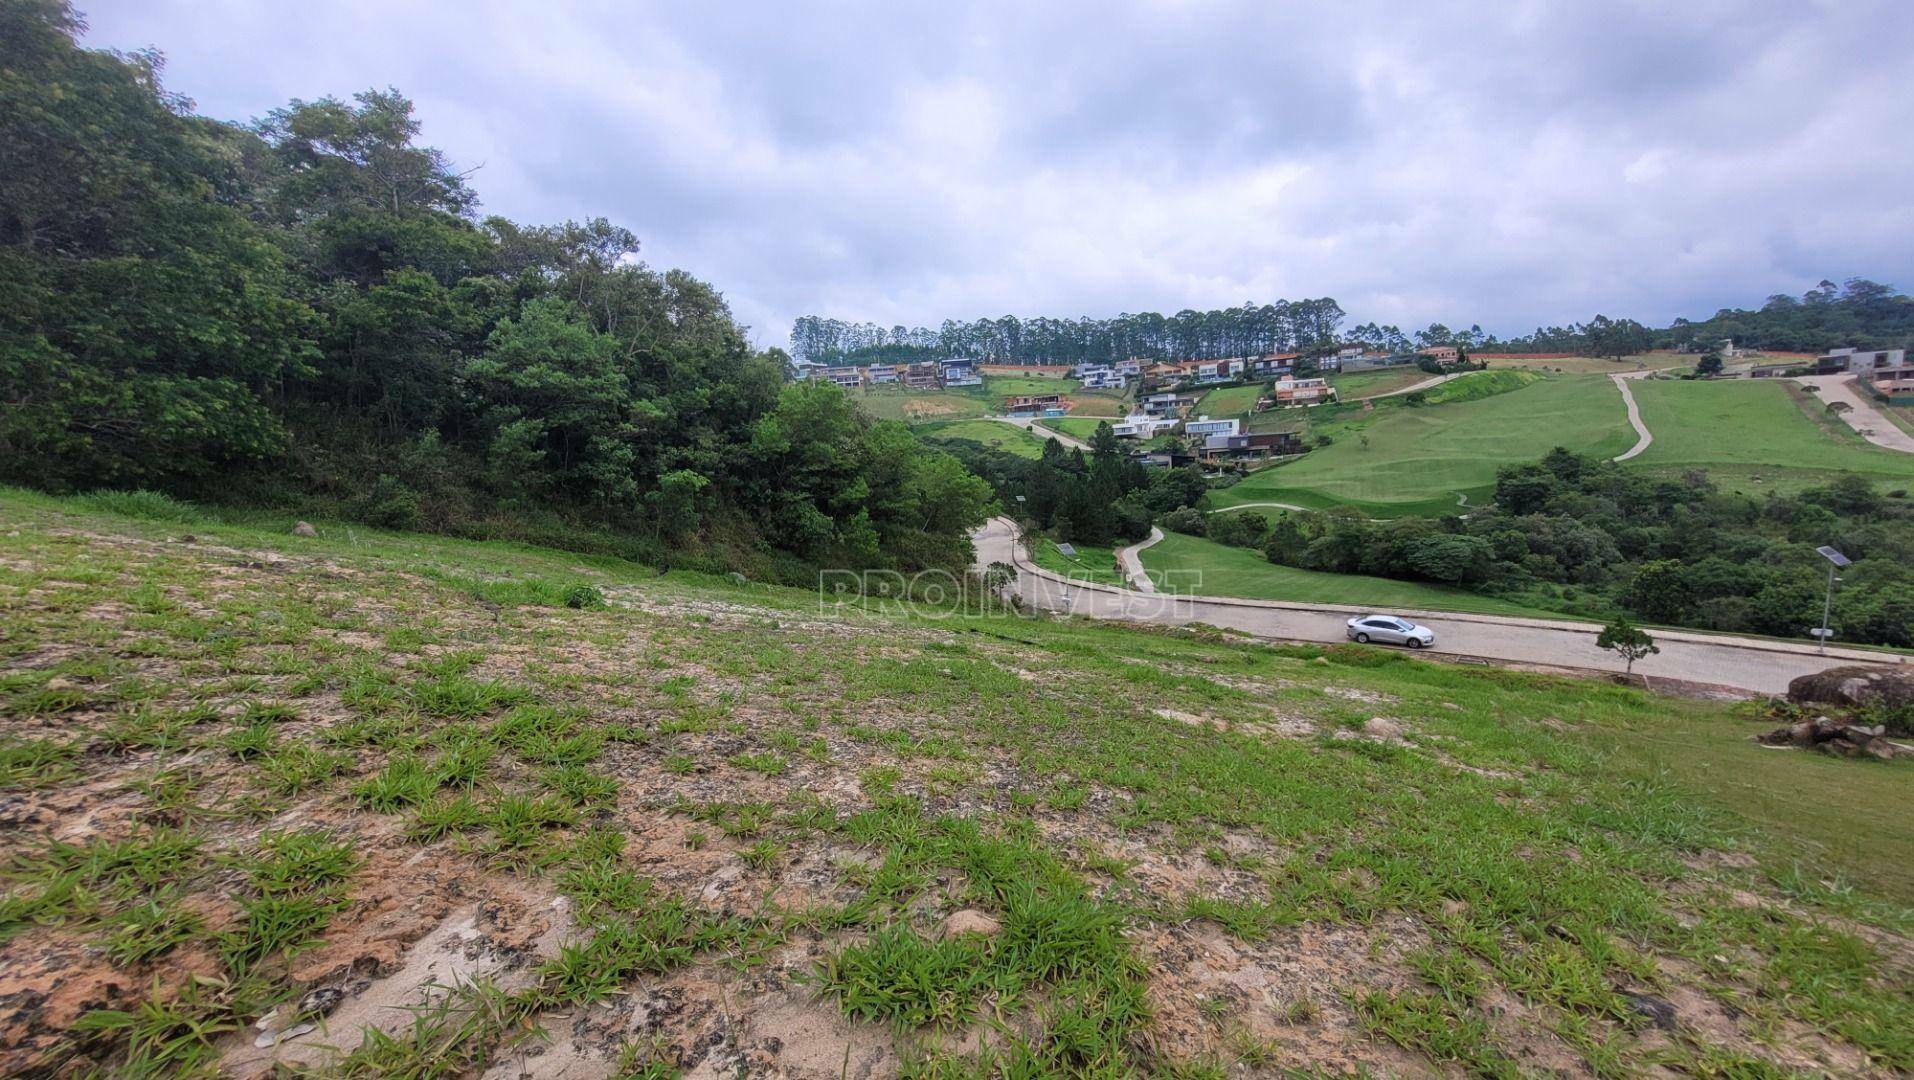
<point>1746,664</point>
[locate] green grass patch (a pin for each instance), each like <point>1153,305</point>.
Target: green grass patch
<point>1192,564</point>
<point>1757,435</point>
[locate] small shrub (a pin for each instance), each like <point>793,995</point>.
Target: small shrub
<point>584,596</point>
<point>146,505</point>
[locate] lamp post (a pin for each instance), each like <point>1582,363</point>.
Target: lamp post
<point>1836,561</point>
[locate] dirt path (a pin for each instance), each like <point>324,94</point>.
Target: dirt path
<point>1130,562</point>
<point>1748,664</point>
<point>1862,415</point>
<point>1030,424</point>
<point>1644,437</point>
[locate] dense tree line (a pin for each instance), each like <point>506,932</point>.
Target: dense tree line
<point>1100,498</point>
<point>1252,329</point>
<point>309,311</point>
<point>1595,537</point>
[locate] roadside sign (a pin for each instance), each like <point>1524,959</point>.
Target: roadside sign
<point>1821,632</point>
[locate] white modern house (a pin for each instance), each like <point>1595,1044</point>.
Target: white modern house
<point>1102,378</point>
<point>1142,426</point>
<point>1203,425</point>
<point>883,373</point>
<point>850,377</point>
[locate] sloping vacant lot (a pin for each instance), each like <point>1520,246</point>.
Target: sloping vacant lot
<point>1757,435</point>
<point>376,805</point>
<point>1402,460</point>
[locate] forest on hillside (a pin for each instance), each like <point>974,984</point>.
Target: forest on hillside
<point>309,312</point>
<point>1862,313</point>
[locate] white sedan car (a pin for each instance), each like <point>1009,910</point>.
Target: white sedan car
<point>1392,629</point>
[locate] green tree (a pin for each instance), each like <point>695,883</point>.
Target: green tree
<point>1627,641</point>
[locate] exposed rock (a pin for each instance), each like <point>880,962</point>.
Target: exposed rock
<point>970,921</point>
<point>1830,736</point>
<point>304,528</point>
<point>1382,728</point>
<point>1856,686</point>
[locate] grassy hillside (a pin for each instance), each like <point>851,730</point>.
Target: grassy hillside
<point>1351,385</point>
<point>1207,568</point>
<point>705,826</point>
<point>1757,435</point>
<point>1398,460</point>
<point>1091,563</point>
<point>992,433</point>
<point>1078,427</point>
<point>1228,401</point>
<point>897,403</point>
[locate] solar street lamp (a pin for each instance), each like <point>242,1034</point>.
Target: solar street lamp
<point>1836,561</point>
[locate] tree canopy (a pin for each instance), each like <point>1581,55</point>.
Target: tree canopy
<point>308,311</point>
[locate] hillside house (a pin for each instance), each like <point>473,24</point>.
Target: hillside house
<point>1441,354</point>
<point>850,377</point>
<point>921,376</point>
<point>1203,426</point>
<point>1289,390</point>
<point>883,373</point>
<point>1142,426</point>
<point>959,371</point>
<point>1129,368</point>
<point>1258,445</point>
<point>1102,378</point>
<point>1270,364</point>
<point>1033,404</point>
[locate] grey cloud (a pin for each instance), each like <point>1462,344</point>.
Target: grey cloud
<point>1503,164</point>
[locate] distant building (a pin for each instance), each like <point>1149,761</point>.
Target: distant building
<point>1203,425</point>
<point>1142,426</point>
<point>921,376</point>
<point>1033,404</point>
<point>959,371</point>
<point>849,377</point>
<point>1131,368</point>
<point>1860,362</point>
<point>1288,391</point>
<point>1273,364</point>
<point>1441,354</point>
<point>883,373</point>
<point>1159,404</point>
<point>1261,444</point>
<point>1102,378</point>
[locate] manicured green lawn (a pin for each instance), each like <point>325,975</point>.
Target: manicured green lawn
<point>1228,401</point>
<point>1206,568</point>
<point>1397,460</point>
<point>993,433</point>
<point>1091,563</point>
<point>1756,435</point>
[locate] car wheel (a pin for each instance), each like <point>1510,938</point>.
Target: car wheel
<point>1415,643</point>
<point>1363,638</point>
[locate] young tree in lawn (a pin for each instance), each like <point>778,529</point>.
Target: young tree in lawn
<point>1626,640</point>
<point>1709,364</point>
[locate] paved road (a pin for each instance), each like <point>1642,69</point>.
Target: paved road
<point>1862,415</point>
<point>1747,664</point>
<point>1030,424</point>
<point>1644,437</point>
<point>1130,562</point>
<point>1434,380</point>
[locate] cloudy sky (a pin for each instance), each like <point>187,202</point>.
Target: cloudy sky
<point>1502,163</point>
